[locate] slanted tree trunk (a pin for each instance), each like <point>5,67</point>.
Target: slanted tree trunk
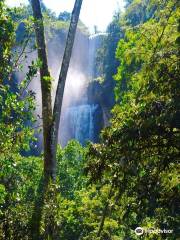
<point>62,77</point>
<point>45,87</point>
<point>51,121</point>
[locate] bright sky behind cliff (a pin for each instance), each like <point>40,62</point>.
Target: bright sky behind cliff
<point>93,12</point>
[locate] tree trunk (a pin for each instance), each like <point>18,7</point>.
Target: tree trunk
<point>50,122</point>
<point>49,168</point>
<point>62,77</point>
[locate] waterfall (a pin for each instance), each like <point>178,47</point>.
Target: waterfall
<point>95,41</point>
<point>80,116</point>
<point>79,123</point>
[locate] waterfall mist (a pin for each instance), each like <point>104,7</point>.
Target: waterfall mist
<point>79,116</point>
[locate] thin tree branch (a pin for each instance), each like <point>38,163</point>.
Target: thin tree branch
<point>62,77</point>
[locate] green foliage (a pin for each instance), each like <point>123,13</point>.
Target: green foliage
<point>71,161</point>
<point>16,107</point>
<point>62,213</point>
<point>16,115</point>
<point>7,38</point>
<point>19,179</point>
<point>132,175</point>
<point>139,152</point>
<point>106,62</point>
<point>64,16</point>
<point>139,11</point>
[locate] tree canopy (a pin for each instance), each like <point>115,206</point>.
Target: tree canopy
<point>103,191</point>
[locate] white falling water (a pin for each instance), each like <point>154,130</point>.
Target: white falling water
<point>79,123</point>
<point>78,114</point>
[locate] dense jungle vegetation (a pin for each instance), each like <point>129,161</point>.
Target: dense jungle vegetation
<point>130,178</point>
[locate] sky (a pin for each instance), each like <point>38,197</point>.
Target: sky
<point>93,12</point>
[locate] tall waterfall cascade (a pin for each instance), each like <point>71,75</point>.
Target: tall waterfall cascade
<point>80,116</point>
